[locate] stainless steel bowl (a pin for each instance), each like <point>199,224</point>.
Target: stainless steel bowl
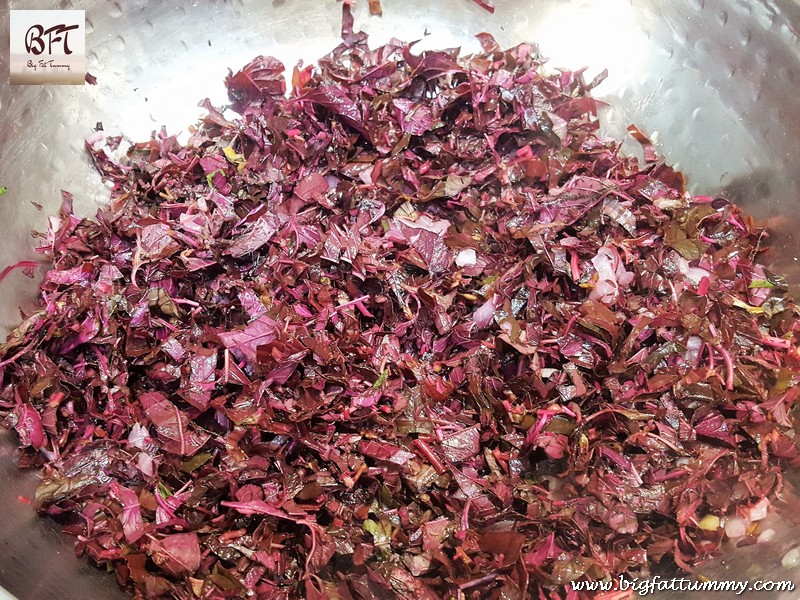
<point>713,81</point>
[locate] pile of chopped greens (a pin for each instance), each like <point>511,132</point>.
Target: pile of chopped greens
<point>412,330</point>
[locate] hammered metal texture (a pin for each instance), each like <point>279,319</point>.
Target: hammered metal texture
<point>713,81</point>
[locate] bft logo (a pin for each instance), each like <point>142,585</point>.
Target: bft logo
<point>48,46</point>
<point>37,35</point>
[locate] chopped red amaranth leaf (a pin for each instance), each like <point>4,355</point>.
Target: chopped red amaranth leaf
<point>412,330</point>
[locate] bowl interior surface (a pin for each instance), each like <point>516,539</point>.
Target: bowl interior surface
<point>712,81</point>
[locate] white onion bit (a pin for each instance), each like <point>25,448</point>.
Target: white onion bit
<point>758,511</point>
<point>467,258</point>
<point>766,536</point>
<point>791,559</point>
<point>735,527</point>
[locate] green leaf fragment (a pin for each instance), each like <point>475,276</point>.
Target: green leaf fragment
<point>761,283</point>
<point>234,158</point>
<point>381,532</point>
<point>210,177</point>
<point>753,310</point>
<point>195,462</point>
<point>163,490</point>
<point>380,381</point>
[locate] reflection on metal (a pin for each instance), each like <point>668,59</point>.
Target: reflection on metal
<point>714,82</point>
